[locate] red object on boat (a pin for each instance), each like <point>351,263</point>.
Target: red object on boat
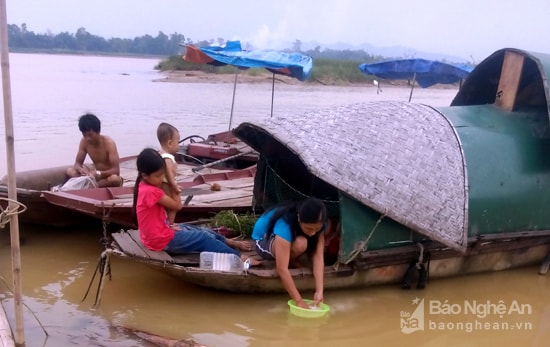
<point>210,151</point>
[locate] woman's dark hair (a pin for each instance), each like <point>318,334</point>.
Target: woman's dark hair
<point>310,210</point>
<point>147,162</point>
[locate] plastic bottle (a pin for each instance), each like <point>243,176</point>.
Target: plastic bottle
<point>225,262</point>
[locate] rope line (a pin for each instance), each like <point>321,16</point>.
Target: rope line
<point>10,210</point>
<point>292,188</point>
<point>362,246</point>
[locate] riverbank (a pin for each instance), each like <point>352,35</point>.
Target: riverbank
<point>205,77</point>
<point>246,77</point>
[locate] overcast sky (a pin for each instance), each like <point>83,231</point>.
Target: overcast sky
<point>464,28</point>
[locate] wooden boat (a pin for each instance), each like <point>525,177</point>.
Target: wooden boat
<point>201,162</point>
<point>416,190</point>
<point>201,200</point>
<point>30,185</point>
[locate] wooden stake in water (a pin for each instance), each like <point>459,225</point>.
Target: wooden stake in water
<point>12,194</point>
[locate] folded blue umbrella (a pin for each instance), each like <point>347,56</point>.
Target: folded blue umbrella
<point>425,72</point>
<point>291,64</point>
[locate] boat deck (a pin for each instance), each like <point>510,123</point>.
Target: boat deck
<point>128,172</point>
<point>130,243</point>
<point>204,193</point>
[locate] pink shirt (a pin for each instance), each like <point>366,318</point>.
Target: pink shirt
<point>154,228</point>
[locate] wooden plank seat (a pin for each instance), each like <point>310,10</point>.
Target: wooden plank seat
<point>130,243</point>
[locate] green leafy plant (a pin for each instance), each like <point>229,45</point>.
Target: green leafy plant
<point>240,224</point>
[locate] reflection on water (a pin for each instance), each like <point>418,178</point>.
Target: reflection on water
<point>50,92</point>
<point>58,266</point>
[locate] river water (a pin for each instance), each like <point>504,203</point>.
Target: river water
<point>50,92</point>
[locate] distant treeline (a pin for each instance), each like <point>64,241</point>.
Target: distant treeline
<point>84,42</point>
<point>330,66</point>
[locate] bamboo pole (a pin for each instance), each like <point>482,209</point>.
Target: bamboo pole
<point>12,193</point>
<point>412,87</point>
<point>272,93</point>
<point>233,99</point>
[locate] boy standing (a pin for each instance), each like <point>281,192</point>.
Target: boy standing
<point>169,138</point>
<point>102,151</point>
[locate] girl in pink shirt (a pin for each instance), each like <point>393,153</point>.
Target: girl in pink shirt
<point>150,205</point>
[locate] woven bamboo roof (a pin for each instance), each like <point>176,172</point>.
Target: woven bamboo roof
<point>401,159</point>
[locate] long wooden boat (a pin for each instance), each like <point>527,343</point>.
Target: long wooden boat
<point>30,185</point>
<point>202,194</point>
<point>416,190</point>
<point>201,162</point>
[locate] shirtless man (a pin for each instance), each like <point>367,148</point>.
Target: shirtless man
<point>102,151</point>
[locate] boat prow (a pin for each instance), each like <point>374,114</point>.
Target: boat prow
<point>31,184</point>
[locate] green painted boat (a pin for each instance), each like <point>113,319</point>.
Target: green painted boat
<point>414,190</point>
<point>472,175</point>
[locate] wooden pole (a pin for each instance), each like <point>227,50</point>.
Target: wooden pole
<point>12,193</point>
<point>233,99</point>
<point>272,93</point>
<point>412,87</point>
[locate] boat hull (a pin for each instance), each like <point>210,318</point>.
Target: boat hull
<point>371,268</point>
<point>114,205</point>
<point>39,210</point>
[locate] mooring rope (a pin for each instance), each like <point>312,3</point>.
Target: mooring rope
<point>362,246</point>
<point>104,269</point>
<point>10,210</point>
<point>104,221</point>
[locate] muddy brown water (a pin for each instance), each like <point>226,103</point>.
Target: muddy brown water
<point>509,308</point>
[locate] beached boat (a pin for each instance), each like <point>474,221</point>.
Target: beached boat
<point>201,162</point>
<point>416,190</point>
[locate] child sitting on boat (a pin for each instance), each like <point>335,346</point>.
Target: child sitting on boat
<point>156,232</point>
<point>286,232</point>
<point>169,138</point>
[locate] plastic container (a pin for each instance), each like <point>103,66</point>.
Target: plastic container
<point>225,262</point>
<point>313,312</point>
